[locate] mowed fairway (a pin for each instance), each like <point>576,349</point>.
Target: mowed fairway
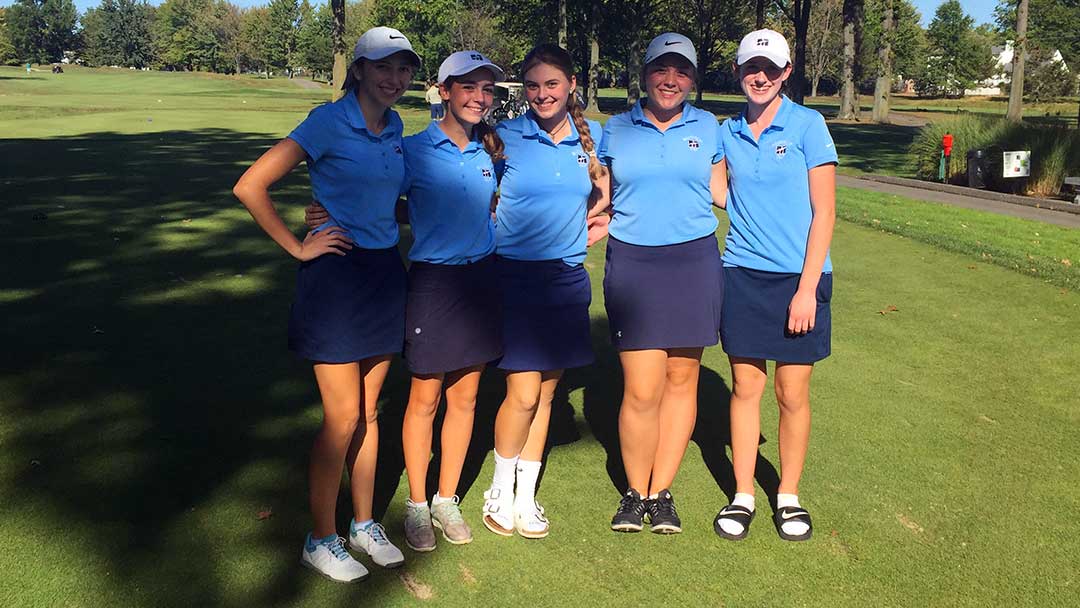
<point>154,429</point>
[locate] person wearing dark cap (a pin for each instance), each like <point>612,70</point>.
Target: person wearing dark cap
<point>663,280</point>
<point>348,316</point>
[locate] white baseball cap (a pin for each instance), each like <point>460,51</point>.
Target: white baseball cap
<point>463,62</point>
<point>379,43</point>
<point>764,43</point>
<point>671,42</point>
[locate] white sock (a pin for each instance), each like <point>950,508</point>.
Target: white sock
<point>796,528</point>
<point>438,500</point>
<point>742,499</point>
<point>653,496</point>
<point>527,473</point>
<point>503,480</point>
<point>416,505</point>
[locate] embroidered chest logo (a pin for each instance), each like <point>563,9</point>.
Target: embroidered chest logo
<point>781,150</point>
<point>397,149</point>
<point>693,143</point>
<point>486,173</point>
<point>582,160</point>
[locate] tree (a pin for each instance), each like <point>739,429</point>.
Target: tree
<point>822,39</point>
<point>713,21</point>
<point>314,40</point>
<point>1015,111</point>
<point>429,26</point>
<point>798,11</point>
<point>119,32</point>
<point>849,94</point>
<point>7,49</point>
<point>594,56</point>
<point>41,30</point>
<point>958,55</point>
<point>883,85</point>
<point>281,40</point>
<point>1052,27</point>
<point>254,33</point>
<point>907,41</point>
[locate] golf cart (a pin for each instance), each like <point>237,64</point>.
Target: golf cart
<point>509,102</point>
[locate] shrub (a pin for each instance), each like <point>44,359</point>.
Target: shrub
<point>1055,151</point>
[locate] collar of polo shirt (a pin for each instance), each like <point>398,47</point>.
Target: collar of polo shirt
<point>439,137</point>
<point>637,114</point>
<point>778,122</point>
<point>356,119</point>
<point>532,129</point>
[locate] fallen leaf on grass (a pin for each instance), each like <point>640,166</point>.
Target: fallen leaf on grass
<point>909,523</point>
<point>185,221</point>
<point>265,514</point>
<point>467,575</point>
<point>985,418</point>
<point>418,590</point>
<point>1066,262</point>
<point>888,309</point>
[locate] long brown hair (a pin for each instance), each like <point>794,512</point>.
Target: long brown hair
<point>493,144</point>
<point>555,55</point>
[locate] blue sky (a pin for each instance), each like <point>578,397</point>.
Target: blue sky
<point>981,10</point>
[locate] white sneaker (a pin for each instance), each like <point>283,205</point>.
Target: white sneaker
<point>332,560</point>
<point>499,512</point>
<point>529,520</point>
<point>373,541</point>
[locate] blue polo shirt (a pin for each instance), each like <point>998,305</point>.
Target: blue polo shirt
<point>660,180</point>
<point>543,193</point>
<point>449,195</point>
<point>769,191</point>
<point>355,174</point>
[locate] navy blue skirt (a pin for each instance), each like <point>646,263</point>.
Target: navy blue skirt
<point>545,315</point>
<point>663,297</point>
<point>453,318</point>
<point>349,307</point>
<point>756,313</point>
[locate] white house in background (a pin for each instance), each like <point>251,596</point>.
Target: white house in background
<point>1003,56</point>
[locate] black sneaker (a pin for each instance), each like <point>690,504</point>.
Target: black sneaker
<point>662,516</point>
<point>631,511</point>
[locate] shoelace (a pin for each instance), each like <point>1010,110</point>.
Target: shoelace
<point>451,511</point>
<point>629,504</point>
<point>420,518</point>
<point>665,508</point>
<point>377,533</point>
<point>337,549</point>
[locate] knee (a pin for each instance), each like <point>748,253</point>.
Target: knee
<point>641,397</point>
<point>524,402</point>
<point>791,401</point>
<point>342,425</point>
<point>748,390</point>
<point>423,405</point>
<point>682,380</point>
<point>371,416</point>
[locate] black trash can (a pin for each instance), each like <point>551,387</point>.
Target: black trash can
<point>977,168</point>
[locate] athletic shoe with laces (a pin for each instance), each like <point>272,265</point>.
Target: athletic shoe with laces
<point>330,559</point>
<point>446,516</point>
<point>630,513</point>
<point>372,540</point>
<point>419,535</point>
<point>663,519</point>
<point>499,511</point>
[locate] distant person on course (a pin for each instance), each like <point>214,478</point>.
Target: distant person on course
<point>780,163</point>
<point>348,317</point>
<point>434,101</point>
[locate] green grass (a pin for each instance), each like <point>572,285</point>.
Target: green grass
<point>149,409</point>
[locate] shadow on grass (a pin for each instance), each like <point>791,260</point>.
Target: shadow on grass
<point>875,148</point>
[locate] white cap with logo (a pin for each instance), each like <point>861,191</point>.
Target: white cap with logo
<point>764,43</point>
<point>379,43</point>
<point>671,42</point>
<point>463,62</point>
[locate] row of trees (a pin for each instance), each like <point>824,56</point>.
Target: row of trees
<point>882,41</point>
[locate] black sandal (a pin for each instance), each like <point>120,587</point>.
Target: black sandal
<point>788,514</point>
<point>738,514</point>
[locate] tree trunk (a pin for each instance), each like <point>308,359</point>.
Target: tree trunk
<point>849,95</point>
<point>883,85</point>
<point>337,43</point>
<point>797,81</point>
<point>594,56</point>
<point>1015,113</point>
<point>633,72</point>
<point>759,21</point>
<point>813,85</point>
<point>562,24</point>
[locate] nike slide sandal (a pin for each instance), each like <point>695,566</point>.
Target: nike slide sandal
<point>790,514</point>
<point>738,514</point>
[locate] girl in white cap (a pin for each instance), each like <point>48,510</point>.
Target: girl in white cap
<point>663,282</point>
<point>781,166</point>
<point>348,317</point>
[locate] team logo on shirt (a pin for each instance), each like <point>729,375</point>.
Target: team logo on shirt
<point>692,142</point>
<point>486,173</point>
<point>583,160</point>
<point>397,149</point>
<point>781,149</point>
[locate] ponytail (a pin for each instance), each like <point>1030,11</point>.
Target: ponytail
<point>491,140</point>
<point>596,170</point>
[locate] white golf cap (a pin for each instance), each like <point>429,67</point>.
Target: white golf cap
<point>764,43</point>
<point>671,42</point>
<point>463,62</point>
<point>379,43</point>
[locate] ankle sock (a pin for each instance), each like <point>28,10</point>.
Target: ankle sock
<point>438,500</point>
<point>796,528</point>
<point>362,525</point>
<point>742,499</point>
<point>528,471</point>
<point>416,505</point>
<point>503,480</point>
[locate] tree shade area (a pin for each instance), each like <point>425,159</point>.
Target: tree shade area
<point>290,37</point>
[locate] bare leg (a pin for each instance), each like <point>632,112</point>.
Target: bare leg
<point>644,374</point>
<point>340,387</point>
<point>678,413</point>
<point>793,396</point>
<point>424,395</point>
<point>538,431</point>
<point>461,389</point>
<point>749,377</point>
<point>517,412</point>
<point>363,452</point>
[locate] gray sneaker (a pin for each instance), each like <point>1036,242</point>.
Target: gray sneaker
<point>446,516</point>
<point>419,535</point>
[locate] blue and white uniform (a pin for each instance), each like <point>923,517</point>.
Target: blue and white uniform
<point>541,238</point>
<point>662,284</point>
<point>453,317</point>
<point>770,212</point>
<point>352,307</point>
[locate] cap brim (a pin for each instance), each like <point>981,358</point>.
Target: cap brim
<point>497,72</point>
<point>692,60</point>
<point>775,60</point>
<point>378,54</point>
